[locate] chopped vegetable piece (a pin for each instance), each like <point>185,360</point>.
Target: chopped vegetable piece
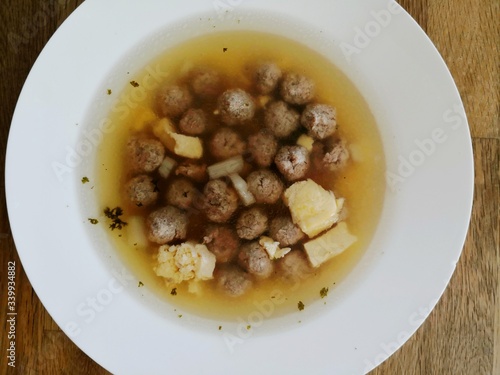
<point>166,167</point>
<point>330,244</point>
<point>187,146</point>
<point>226,167</point>
<point>306,142</point>
<point>273,248</point>
<point>242,189</point>
<point>313,208</point>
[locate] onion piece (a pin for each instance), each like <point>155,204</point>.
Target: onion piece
<point>226,167</point>
<point>166,167</point>
<point>242,189</point>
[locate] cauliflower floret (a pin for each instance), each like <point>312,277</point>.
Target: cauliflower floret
<point>187,261</point>
<point>273,248</point>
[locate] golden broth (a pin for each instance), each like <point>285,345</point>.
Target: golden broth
<point>361,182</point>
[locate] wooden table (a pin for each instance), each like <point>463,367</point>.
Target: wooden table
<point>462,334</point>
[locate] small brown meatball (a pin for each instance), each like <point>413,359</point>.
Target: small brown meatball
<point>167,224</point>
<point>145,155</point>
<point>336,156</point>
<point>141,190</point>
<point>233,280</point>
<point>236,107</point>
<point>251,223</point>
<point>181,193</point>
<point>206,82</point>
<point>255,260</point>
<point>222,242</point>
<point>283,230</point>
<point>265,186</point>
<point>320,120</point>
<point>281,120</point>
<point>174,100</point>
<point>263,147</point>
<point>196,172</point>
<point>193,122</point>
<point>294,266</point>
<point>297,89</point>
<point>226,143</point>
<point>267,76</point>
<point>293,162</point>
<point>219,201</point>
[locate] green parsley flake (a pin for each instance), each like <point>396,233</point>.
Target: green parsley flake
<point>173,292</point>
<point>93,221</point>
<point>300,305</point>
<point>85,180</point>
<point>110,92</point>
<point>220,328</point>
<point>134,83</point>
<point>249,327</point>
<point>140,284</point>
<point>323,292</point>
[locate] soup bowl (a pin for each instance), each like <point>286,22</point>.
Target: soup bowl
<point>100,304</point>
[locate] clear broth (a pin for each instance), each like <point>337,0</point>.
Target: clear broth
<point>361,182</point>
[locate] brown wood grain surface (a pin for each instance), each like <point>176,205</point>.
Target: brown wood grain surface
<point>462,334</point>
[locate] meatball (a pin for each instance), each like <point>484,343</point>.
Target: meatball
<point>222,242</point>
<point>174,100</point>
<point>251,223</point>
<point>236,107</point>
<point>283,230</point>
<point>193,122</point>
<point>206,82</point>
<point>233,280</point>
<point>297,89</point>
<point>267,76</point>
<point>255,260</point>
<point>281,120</point>
<point>145,155</point>
<point>181,193</point>
<point>263,147</point>
<point>265,186</point>
<point>219,201</point>
<point>293,162</point>
<point>167,224</point>
<point>294,266</point>
<point>336,156</point>
<point>141,190</point>
<point>320,120</point>
<point>194,171</point>
<point>226,143</point>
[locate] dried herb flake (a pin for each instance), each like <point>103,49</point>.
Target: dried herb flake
<point>85,180</point>
<point>140,284</point>
<point>114,215</point>
<point>93,221</point>
<point>323,292</point>
<point>300,305</point>
<point>134,83</point>
<point>173,292</point>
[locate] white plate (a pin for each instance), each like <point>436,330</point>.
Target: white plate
<point>383,300</point>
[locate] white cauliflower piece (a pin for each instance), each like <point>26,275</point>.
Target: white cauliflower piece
<point>273,248</point>
<point>187,261</point>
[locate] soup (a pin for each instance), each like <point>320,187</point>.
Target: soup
<point>249,172</point>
